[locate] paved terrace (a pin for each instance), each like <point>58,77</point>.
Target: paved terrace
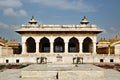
<point>62,67</point>
<point>14,74</point>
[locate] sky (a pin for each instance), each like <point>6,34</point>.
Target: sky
<point>104,13</point>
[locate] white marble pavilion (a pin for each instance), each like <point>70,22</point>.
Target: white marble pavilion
<point>66,41</point>
<point>60,44</point>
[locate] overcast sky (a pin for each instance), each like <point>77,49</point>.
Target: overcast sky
<point>104,13</point>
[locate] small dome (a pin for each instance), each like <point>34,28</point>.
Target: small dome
<point>117,38</point>
<point>32,20</point>
<point>103,41</point>
<point>84,20</point>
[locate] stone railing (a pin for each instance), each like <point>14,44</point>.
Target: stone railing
<point>57,26</point>
<point>41,27</point>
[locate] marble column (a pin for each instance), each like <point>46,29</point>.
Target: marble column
<point>51,47</point>
<point>66,47</point>
<point>37,46</point>
<point>94,48</point>
<point>80,47</point>
<point>24,51</point>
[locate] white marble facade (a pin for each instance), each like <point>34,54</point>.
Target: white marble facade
<point>59,43</point>
<point>52,38</point>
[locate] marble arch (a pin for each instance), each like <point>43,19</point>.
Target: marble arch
<point>88,45</point>
<point>73,45</point>
<point>44,45</point>
<point>59,45</point>
<point>30,45</point>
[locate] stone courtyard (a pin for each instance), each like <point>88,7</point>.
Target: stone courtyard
<point>59,52</point>
<point>60,72</point>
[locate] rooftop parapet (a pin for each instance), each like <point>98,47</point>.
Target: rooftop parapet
<point>57,26</point>
<point>84,26</point>
<point>43,27</point>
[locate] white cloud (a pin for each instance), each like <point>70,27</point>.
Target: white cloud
<point>8,27</point>
<point>22,12</point>
<point>12,8</point>
<point>67,4</point>
<point>12,12</point>
<point>3,25</point>
<point>8,31</point>
<point>9,12</point>
<point>10,3</point>
<point>113,29</point>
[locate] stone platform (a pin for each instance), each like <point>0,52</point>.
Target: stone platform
<point>62,72</point>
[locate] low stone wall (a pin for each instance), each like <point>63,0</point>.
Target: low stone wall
<point>63,58</point>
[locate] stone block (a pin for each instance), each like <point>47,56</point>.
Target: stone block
<point>81,75</point>
<point>39,74</point>
<point>62,72</point>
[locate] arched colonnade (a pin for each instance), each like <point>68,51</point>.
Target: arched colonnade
<point>58,45</point>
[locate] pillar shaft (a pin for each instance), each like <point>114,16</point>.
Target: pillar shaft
<point>66,47</point>
<point>51,47</point>
<point>37,47</point>
<point>24,48</point>
<point>80,47</point>
<point>94,47</point>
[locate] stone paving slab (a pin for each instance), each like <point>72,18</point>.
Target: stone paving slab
<point>111,74</point>
<point>69,67</point>
<point>14,74</point>
<point>10,74</point>
<point>64,72</point>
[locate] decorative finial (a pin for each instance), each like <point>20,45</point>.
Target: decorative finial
<point>32,20</point>
<point>84,21</point>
